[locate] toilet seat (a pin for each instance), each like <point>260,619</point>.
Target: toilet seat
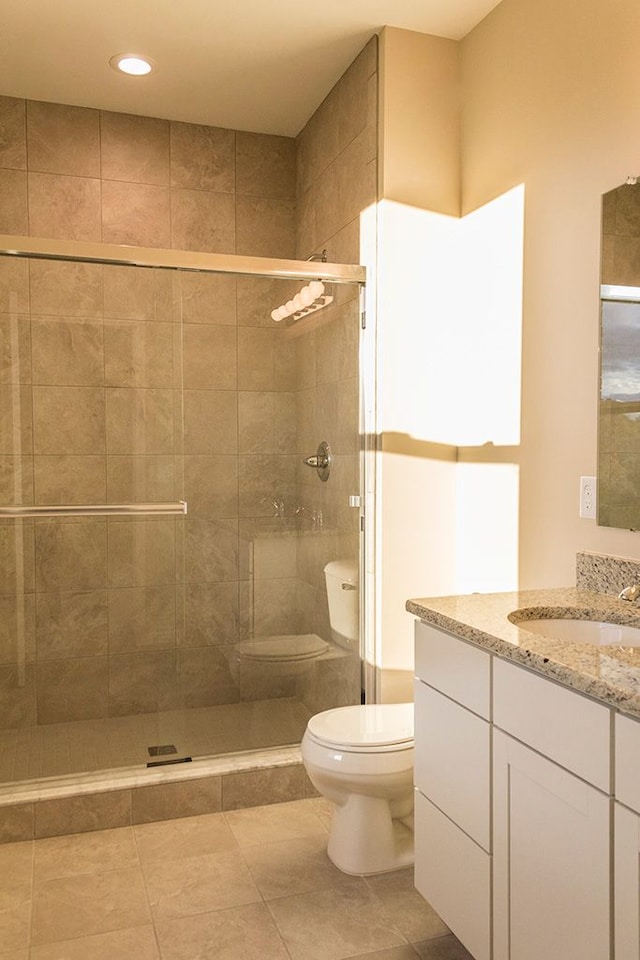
<point>369,728</point>
<point>288,647</point>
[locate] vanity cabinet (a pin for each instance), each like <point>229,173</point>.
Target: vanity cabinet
<point>514,808</point>
<point>453,785</point>
<point>626,904</point>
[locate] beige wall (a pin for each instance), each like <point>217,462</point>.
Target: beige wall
<point>549,93</point>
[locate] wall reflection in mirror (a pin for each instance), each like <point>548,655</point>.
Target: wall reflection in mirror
<point>619,408</point>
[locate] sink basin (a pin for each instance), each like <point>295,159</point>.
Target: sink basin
<point>597,632</point>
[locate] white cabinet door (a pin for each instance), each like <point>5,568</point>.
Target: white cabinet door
<point>551,860</point>
<point>626,902</point>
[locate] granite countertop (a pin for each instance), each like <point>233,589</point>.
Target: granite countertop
<point>610,674</point>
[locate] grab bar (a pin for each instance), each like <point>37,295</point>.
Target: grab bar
<point>95,510</point>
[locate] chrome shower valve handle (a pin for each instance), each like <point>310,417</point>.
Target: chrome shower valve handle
<point>321,461</point>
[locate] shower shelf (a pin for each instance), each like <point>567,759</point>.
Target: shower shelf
<point>95,510</point>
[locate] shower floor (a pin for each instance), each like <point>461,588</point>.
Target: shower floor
<point>84,746</point>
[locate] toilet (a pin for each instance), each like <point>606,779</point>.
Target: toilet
<point>361,759</point>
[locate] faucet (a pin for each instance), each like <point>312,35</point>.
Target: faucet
<point>630,593</point>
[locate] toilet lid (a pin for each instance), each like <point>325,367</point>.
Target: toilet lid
<point>366,726</point>
<point>287,647</point>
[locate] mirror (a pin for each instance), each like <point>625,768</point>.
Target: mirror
<point>619,398</point>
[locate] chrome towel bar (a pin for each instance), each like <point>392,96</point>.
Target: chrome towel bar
<point>94,510</point>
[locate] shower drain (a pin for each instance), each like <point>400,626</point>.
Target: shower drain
<point>162,750</point>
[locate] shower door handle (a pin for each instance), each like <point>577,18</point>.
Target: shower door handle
<point>321,461</point>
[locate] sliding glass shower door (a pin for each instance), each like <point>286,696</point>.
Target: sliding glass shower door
<point>162,543</point>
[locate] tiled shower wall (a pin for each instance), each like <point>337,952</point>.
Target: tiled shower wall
<point>130,616</point>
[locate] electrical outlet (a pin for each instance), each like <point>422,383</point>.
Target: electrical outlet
<point>588,497</point>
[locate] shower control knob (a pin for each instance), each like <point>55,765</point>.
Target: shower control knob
<point>321,461</point>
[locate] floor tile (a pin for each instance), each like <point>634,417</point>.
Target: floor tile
<point>334,923</point>
<point>411,913</point>
<point>241,933</point>
<point>136,943</point>
<point>444,948</point>
<point>405,952</point>
<point>278,821</point>
<point>180,888</point>
<point>15,916</point>
<point>94,852</point>
<point>16,864</point>
<point>187,837</point>
<point>292,866</point>
<point>79,906</point>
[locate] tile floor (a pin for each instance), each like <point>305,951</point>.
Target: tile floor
<point>82,746</point>
<point>253,884</point>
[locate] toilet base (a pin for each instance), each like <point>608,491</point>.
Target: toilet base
<point>364,839</point>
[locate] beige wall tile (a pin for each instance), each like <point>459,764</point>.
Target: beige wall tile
<point>17,697</point>
<point>204,677</point>
<point>210,422</point>
<point>257,787</point>
<point>211,614</point>
<point>256,358</point>
<point>275,558</point>
<point>72,689</point>
<point>71,555</point>
<point>16,558</point>
<point>207,298</point>
<point>139,421</point>
<point>141,553</point>
<point>337,345</point>
<point>186,798</point>
<point>264,479</point>
<point>276,607</point>
<point>265,165</point>
<point>266,228</point>
<point>129,293</point>
<point>203,221</point>
<point>139,354</point>
<point>211,550</point>
<point>14,285</point>
<point>211,486</point>
<point>70,479</point>
<point>17,627</point>
<point>135,149</point>
<point>65,289</point>
<point>67,352</point>
<point>14,218</point>
<point>16,823</point>
<point>142,479</point>
<point>136,213</point>
<point>210,357</point>
<point>71,907</point>
<point>15,349</point>
<point>71,625</point>
<point>141,682</point>
<point>202,158</point>
<point>142,618</point>
<point>68,420</point>
<point>13,135</point>
<point>256,421</point>
<point>63,139</point>
<point>64,208</point>
<point>258,296</point>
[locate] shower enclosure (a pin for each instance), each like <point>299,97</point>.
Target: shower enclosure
<point>157,518</point>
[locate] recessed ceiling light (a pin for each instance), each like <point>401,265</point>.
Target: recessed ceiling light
<point>133,65</point>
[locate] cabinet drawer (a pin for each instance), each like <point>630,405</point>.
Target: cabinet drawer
<point>458,669</point>
<point>452,761</point>
<point>454,875</point>
<point>563,725</point>
<point>628,762</point>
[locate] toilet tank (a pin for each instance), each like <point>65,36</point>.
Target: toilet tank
<point>341,577</point>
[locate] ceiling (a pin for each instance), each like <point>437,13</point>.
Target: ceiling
<point>260,65</point>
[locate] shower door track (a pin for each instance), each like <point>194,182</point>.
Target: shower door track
<point>79,251</point>
<point>95,510</point>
